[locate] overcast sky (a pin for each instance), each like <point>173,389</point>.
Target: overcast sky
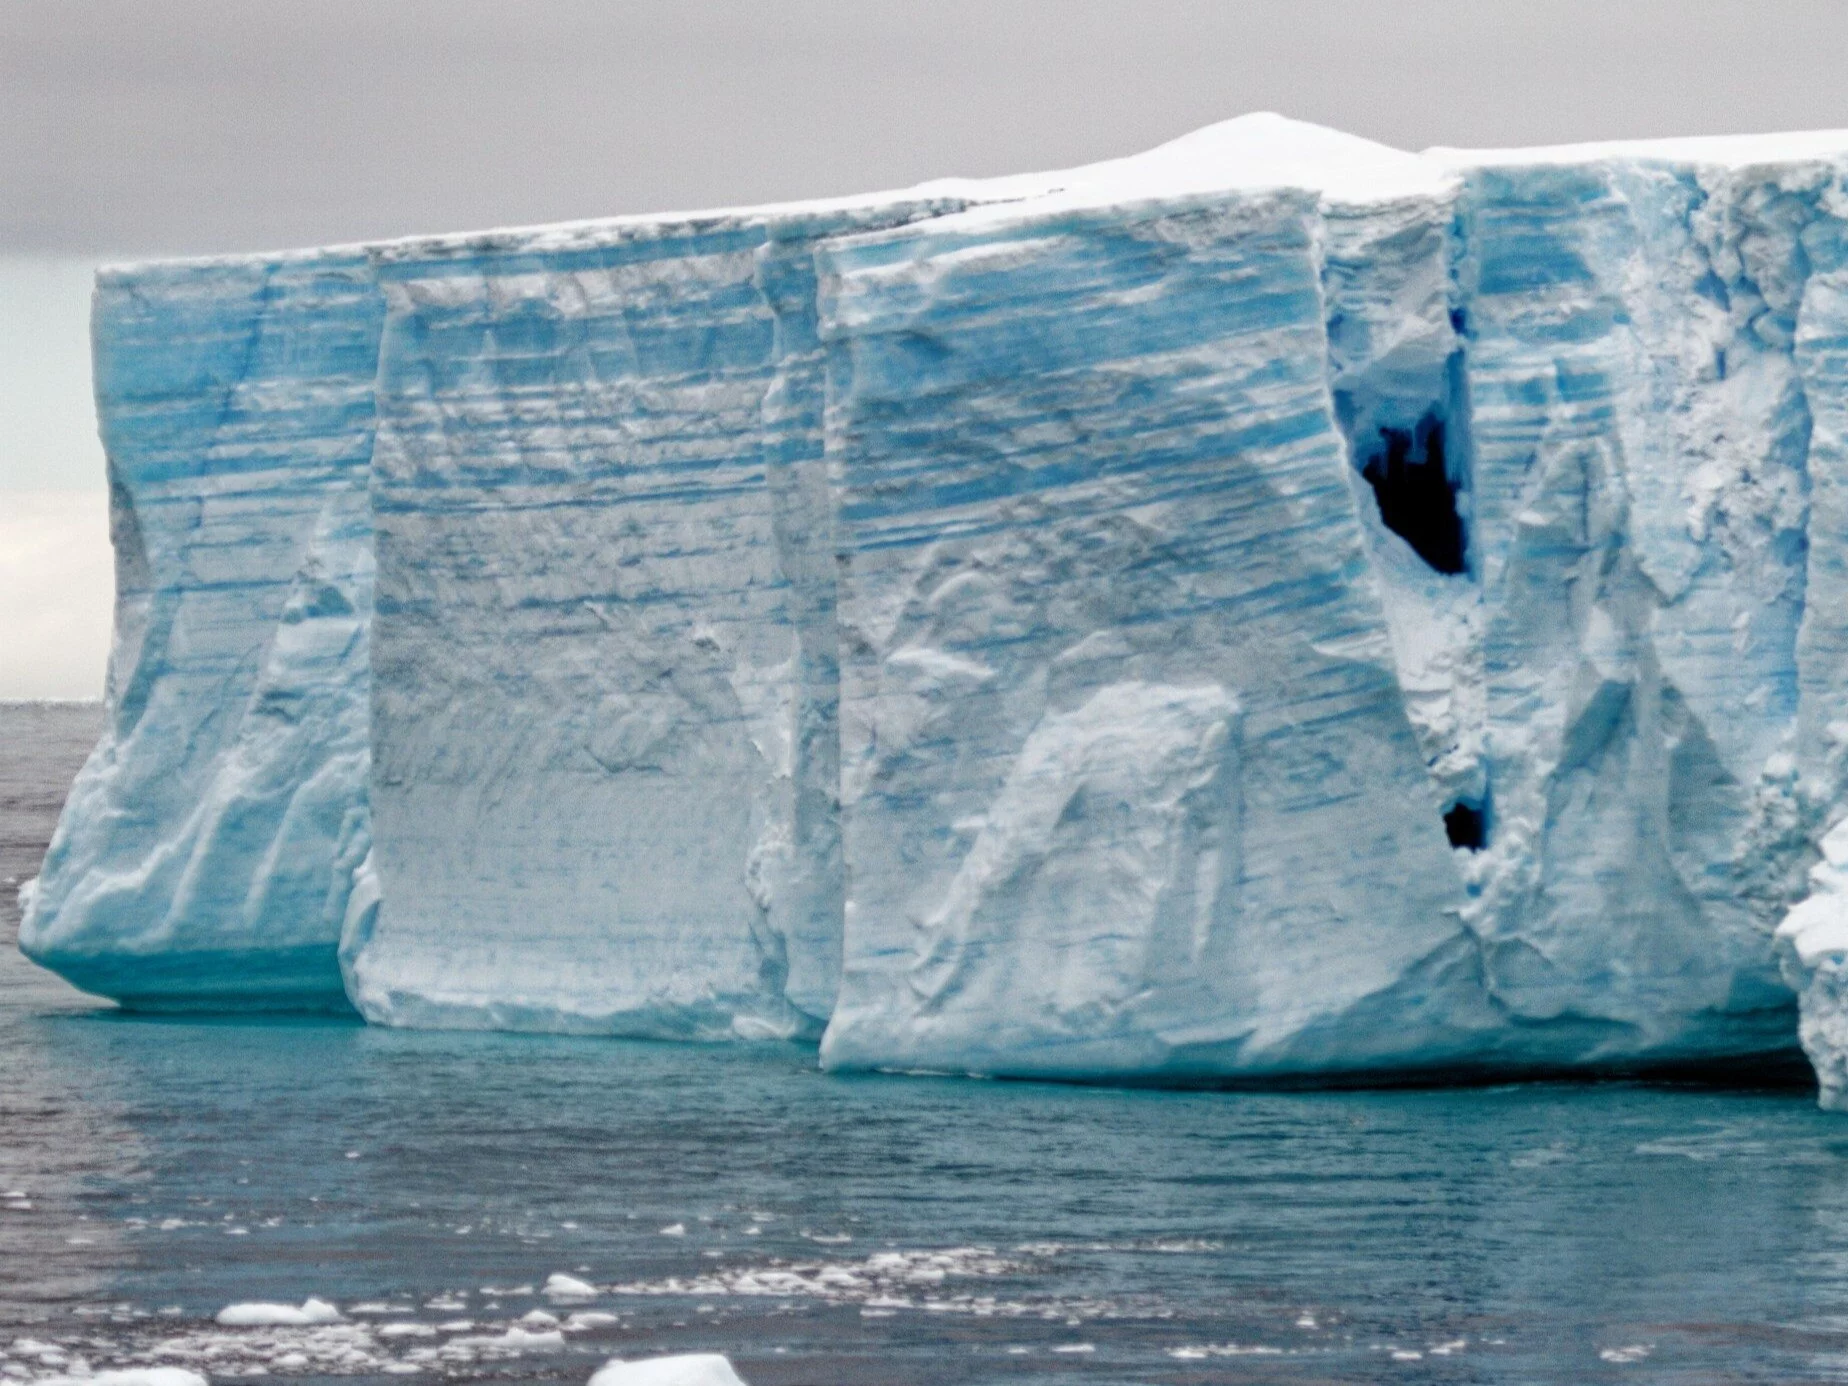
<point>134,125</point>
<point>137,127</point>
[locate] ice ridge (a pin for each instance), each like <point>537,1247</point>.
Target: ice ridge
<point>1272,606</point>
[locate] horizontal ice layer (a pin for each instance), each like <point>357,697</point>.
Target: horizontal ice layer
<point>1124,759</point>
<point>599,803</point>
<point>606,789</point>
<point>206,852</point>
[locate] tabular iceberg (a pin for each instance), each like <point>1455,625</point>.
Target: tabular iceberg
<point>1272,606</point>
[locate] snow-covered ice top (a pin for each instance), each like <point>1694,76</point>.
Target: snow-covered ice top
<point>1272,605</point>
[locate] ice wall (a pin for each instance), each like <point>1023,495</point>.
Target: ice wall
<point>1640,405</point>
<point>601,801</point>
<point>1114,674</point>
<point>206,852</point>
<point>1269,606</point>
<point>1654,378</point>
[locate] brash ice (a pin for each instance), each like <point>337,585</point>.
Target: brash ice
<point>1271,607</point>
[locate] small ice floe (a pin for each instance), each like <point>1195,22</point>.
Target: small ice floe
<point>588,1319</point>
<point>558,1285</point>
<point>1634,1352</point>
<point>311,1311</point>
<point>686,1369</point>
<point>406,1330</point>
<point>538,1318</point>
<point>674,1229</point>
<point>514,1341</point>
<point>129,1376</point>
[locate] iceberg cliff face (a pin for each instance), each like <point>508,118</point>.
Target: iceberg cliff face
<point>1114,674</point>
<point>1638,449</point>
<point>596,803</point>
<point>1270,606</point>
<point>207,849</point>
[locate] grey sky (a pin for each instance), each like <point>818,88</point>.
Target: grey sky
<point>138,127</point>
<point>143,125</point>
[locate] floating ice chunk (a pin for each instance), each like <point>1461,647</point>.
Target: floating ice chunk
<point>515,1340</point>
<point>686,1369</point>
<point>129,1376</point>
<point>585,1319</point>
<point>1633,1352</point>
<point>261,1315</point>
<point>560,1286</point>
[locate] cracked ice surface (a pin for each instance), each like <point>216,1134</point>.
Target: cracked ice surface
<point>1045,626</point>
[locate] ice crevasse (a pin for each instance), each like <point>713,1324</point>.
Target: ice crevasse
<point>1268,608</point>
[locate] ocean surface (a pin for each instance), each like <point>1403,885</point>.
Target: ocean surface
<point>843,1231</point>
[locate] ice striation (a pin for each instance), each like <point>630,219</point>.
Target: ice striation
<point>207,850</point>
<point>1269,607</point>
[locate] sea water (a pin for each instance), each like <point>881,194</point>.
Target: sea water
<point>822,1229</point>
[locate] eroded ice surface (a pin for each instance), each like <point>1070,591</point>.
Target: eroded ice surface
<point>605,641</point>
<point>1113,673</point>
<point>206,852</point>
<point>1270,605</point>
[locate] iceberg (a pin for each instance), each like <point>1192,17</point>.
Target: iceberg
<point>1270,607</point>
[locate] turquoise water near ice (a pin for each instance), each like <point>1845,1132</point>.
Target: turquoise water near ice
<point>875,1229</point>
